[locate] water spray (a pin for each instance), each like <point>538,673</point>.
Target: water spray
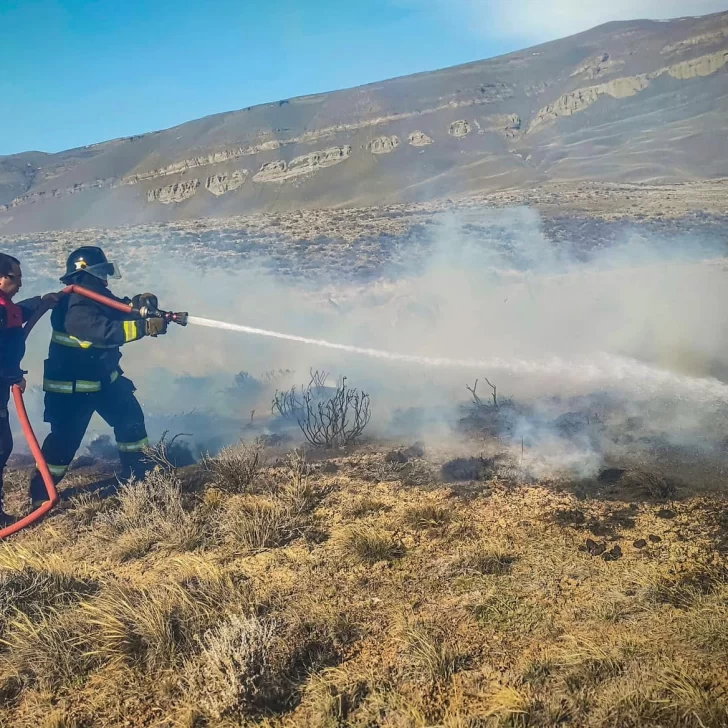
<point>607,367</point>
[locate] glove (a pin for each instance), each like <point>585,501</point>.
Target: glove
<point>51,300</point>
<point>155,326</point>
<point>145,299</point>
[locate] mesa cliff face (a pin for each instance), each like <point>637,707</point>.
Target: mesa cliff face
<point>633,101</point>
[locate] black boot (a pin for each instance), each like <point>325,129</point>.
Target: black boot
<point>38,491</point>
<point>5,518</point>
<point>134,465</point>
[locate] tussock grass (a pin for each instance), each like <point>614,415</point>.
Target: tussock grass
<point>149,628</point>
<point>85,508</point>
<point>364,506</point>
<point>427,515</point>
<point>317,635</point>
<point>370,545</point>
<point>494,560</point>
<point>212,589</point>
<point>255,524</point>
<point>684,587</point>
<point>588,662</point>
<point>49,650</point>
<point>510,706</point>
<point>666,694</point>
<point>331,697</point>
<point>32,583</point>
<point>430,653</point>
<point>653,485</point>
<point>705,628</point>
<point>504,611</point>
<point>259,522</point>
<point>151,513</point>
<point>415,473</point>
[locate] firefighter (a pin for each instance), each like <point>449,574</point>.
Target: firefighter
<point>12,350</point>
<point>82,373</point>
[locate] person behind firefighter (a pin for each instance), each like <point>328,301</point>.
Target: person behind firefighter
<point>82,373</point>
<point>12,349</point>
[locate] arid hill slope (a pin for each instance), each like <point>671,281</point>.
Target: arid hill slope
<point>628,101</point>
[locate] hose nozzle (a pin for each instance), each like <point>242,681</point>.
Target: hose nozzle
<point>178,317</point>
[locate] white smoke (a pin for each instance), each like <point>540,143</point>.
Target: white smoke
<point>630,334</point>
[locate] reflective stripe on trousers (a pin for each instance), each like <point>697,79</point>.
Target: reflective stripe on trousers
<point>82,386</point>
<point>137,446</point>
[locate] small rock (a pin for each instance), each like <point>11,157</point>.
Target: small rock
<point>640,543</point>
<point>654,539</point>
<point>594,548</point>
<point>666,513</point>
<point>613,554</point>
<point>329,467</point>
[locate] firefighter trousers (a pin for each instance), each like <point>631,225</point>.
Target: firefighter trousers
<point>69,416</point>
<point>6,435</point>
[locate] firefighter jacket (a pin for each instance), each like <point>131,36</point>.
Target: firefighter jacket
<point>84,351</point>
<point>12,337</point>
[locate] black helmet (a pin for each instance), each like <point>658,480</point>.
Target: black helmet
<point>89,259</point>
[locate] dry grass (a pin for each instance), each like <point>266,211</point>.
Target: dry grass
<point>427,515</point>
<point>145,627</point>
<point>166,608</point>
<point>370,545</point>
<point>705,628</point>
<point>494,560</point>
<point>33,583</point>
<point>236,469</point>
<point>49,651</point>
<point>430,653</point>
<point>150,513</point>
<point>364,506</point>
<point>257,522</point>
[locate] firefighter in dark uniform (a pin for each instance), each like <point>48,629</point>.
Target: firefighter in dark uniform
<point>82,373</point>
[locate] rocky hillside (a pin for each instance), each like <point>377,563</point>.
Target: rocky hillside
<point>627,102</point>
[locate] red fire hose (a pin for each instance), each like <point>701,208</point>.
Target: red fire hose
<point>53,496</point>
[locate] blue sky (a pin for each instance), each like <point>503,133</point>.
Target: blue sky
<point>75,72</point>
